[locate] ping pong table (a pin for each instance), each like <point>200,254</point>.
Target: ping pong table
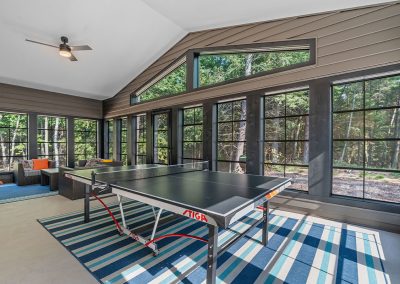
<point>215,198</point>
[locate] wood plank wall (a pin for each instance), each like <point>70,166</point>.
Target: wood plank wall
<point>21,99</point>
<point>347,41</point>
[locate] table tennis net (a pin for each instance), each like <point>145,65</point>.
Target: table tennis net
<point>150,172</point>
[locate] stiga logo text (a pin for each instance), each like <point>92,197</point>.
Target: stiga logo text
<point>195,215</point>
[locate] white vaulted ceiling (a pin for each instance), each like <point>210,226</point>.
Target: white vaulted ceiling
<point>126,36</point>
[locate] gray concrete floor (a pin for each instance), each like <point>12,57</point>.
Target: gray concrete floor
<point>29,254</point>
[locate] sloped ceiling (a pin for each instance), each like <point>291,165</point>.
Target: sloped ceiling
<point>126,36</point>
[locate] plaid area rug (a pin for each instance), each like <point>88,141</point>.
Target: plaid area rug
<point>299,251</point>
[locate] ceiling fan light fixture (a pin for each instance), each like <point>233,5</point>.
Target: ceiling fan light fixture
<point>65,51</point>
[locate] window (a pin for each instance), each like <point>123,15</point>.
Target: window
<point>109,146</point>
<point>161,138</point>
<point>217,67</point>
<point>85,132</point>
<point>171,82</point>
<point>366,139</point>
<point>141,139</point>
<point>123,156</point>
<point>286,136</point>
<point>52,138</point>
<point>13,139</point>
<point>231,136</point>
<point>192,140</point>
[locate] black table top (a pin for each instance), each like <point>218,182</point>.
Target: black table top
<point>215,192</point>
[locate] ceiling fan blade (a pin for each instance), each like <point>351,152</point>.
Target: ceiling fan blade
<point>73,58</point>
<point>33,41</point>
<point>81,47</point>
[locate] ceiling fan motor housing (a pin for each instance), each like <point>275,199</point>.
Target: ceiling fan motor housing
<point>65,47</point>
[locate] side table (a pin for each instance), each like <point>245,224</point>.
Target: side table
<point>50,177</point>
<point>7,176</point>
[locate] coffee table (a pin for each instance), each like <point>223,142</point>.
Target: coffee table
<point>50,177</point>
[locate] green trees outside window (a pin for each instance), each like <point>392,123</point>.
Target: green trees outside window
<point>141,139</point>
<point>109,146</point>
<point>85,133</point>
<point>286,136</point>
<point>13,139</point>
<point>52,138</point>
<point>123,155</point>
<point>231,136</point>
<point>192,134</point>
<point>171,84</point>
<point>161,138</point>
<point>217,68</point>
<point>366,139</point>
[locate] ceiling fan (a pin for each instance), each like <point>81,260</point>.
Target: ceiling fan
<point>64,49</point>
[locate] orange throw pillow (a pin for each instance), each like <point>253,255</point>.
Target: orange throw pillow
<point>40,164</point>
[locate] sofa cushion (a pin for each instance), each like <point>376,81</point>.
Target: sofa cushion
<point>27,164</point>
<point>93,163</point>
<point>31,173</point>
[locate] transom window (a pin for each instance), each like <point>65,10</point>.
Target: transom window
<point>13,139</point>
<point>52,138</point>
<point>286,136</point>
<point>231,136</point>
<point>366,139</point>
<point>85,141</point>
<point>141,139</point>
<point>217,67</point>
<point>192,129</point>
<point>123,155</point>
<point>171,82</point>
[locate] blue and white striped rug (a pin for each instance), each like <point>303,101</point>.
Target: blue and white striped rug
<point>11,192</point>
<point>299,251</point>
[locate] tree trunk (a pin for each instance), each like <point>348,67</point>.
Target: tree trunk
<point>46,136</point>
<point>13,141</point>
<point>306,146</point>
<point>296,136</point>
<point>348,129</point>
<point>3,146</point>
<point>395,163</point>
<point>242,126</point>
<point>55,140</point>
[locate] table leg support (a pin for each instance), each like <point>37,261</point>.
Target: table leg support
<point>212,254</point>
<point>87,203</point>
<point>265,223</point>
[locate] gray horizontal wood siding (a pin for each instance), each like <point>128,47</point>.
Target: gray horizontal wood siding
<point>347,41</point>
<point>21,99</point>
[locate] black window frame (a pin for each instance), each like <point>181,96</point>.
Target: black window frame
<point>168,131</point>
<point>285,140</point>
<point>194,54</point>
<point>123,140</point>
<point>364,140</point>
<point>109,145</point>
<point>194,124</point>
<point>157,78</point>
<point>52,156</point>
<point>141,132</point>
<point>85,133</point>
<point>232,121</point>
<point>14,157</point>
